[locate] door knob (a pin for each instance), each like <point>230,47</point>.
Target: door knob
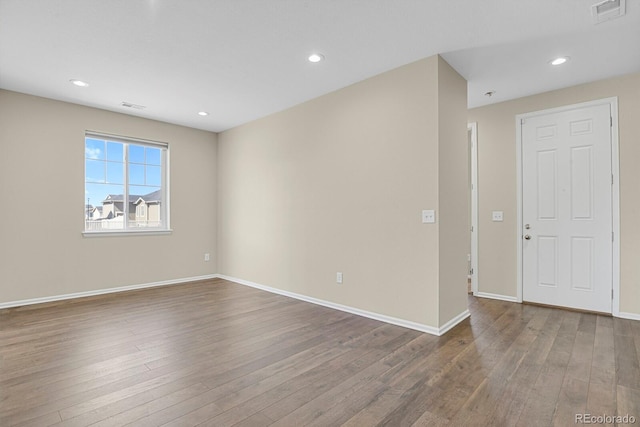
<point>527,237</point>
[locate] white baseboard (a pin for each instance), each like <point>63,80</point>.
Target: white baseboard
<point>103,291</point>
<point>630,316</point>
<point>375,316</point>
<point>496,296</point>
<point>622,315</point>
<point>453,322</point>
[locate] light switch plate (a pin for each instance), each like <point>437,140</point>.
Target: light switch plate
<point>497,216</point>
<point>428,216</point>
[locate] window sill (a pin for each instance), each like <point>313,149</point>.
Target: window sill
<point>126,233</point>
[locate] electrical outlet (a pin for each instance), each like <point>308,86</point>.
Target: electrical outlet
<point>497,216</point>
<point>338,277</point>
<point>428,216</point>
<point>207,257</point>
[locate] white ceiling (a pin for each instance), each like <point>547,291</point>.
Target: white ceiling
<point>244,59</point>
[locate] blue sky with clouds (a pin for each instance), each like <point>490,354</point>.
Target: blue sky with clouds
<point>105,167</point>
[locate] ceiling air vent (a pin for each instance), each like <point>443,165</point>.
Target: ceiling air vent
<point>134,106</point>
<point>608,9</point>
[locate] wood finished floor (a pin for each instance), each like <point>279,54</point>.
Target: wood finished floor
<point>216,353</point>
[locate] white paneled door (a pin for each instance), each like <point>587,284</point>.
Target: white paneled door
<point>567,209</point>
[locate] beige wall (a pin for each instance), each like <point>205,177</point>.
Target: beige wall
<point>497,182</point>
<point>453,191</point>
<point>42,164</point>
<point>338,184</point>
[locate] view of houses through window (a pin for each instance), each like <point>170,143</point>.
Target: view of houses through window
<point>125,184</point>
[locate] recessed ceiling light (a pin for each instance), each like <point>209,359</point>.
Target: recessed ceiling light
<point>79,83</point>
<point>559,60</point>
<point>316,57</point>
<point>132,105</point>
<point>203,113</point>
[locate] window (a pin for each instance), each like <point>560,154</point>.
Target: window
<point>125,181</point>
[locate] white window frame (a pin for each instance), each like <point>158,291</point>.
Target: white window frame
<point>165,227</point>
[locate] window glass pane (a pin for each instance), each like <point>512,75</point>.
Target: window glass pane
<point>115,173</point>
<point>94,171</point>
<point>94,149</point>
<point>110,168</point>
<point>136,174</point>
<point>142,190</point>
<point>104,207</point>
<point>154,175</point>
<point>137,190</point>
<point>146,206</point>
<point>114,151</point>
<point>136,153</point>
<point>153,156</point>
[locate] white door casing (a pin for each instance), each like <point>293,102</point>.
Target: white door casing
<point>473,171</point>
<point>567,215</point>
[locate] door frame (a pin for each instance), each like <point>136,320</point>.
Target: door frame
<point>473,128</point>
<point>615,191</point>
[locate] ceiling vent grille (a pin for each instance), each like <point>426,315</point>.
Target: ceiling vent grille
<point>134,106</point>
<point>608,9</point>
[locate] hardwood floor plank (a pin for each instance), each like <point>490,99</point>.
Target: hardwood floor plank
<point>215,353</point>
<point>623,327</point>
<point>575,387</point>
<point>320,359</point>
<point>518,388</point>
<point>256,420</point>
<point>571,401</point>
<point>235,394</point>
<point>379,407</point>
<point>43,420</point>
<point>542,401</point>
<point>588,323</point>
<point>493,392</point>
<point>135,407</point>
<point>627,361</point>
<point>203,414</point>
<point>288,388</point>
<point>427,419</point>
<point>458,377</point>
<point>628,402</point>
<point>602,385</point>
<point>306,388</point>
<point>222,390</point>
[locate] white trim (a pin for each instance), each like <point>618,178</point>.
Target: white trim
<point>103,291</point>
<point>630,316</point>
<point>166,176</point>
<point>125,139</point>
<point>615,206</point>
<point>519,209</point>
<point>126,143</point>
<point>126,233</point>
<point>615,190</point>
<point>498,297</point>
<point>375,316</point>
<point>453,322</point>
<point>473,127</point>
